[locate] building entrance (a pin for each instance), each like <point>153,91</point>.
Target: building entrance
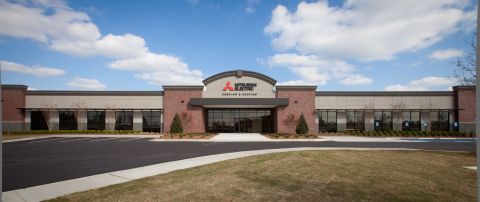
<point>239,120</point>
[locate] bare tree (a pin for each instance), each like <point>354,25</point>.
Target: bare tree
<point>465,70</point>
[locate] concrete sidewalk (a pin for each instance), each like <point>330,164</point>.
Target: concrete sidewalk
<point>53,190</point>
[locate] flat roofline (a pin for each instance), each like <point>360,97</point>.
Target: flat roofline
<point>384,93</point>
<point>95,93</point>
<point>183,87</point>
<point>14,86</point>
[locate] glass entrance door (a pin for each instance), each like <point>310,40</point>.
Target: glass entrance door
<point>243,125</point>
<point>239,120</point>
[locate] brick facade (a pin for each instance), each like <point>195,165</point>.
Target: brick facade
<point>465,101</point>
<point>300,102</point>
<point>13,98</point>
<point>175,101</point>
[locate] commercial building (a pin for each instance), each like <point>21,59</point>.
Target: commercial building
<point>237,101</point>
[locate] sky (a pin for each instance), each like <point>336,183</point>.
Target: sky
<point>352,45</point>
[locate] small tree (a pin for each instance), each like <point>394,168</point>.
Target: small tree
<point>302,127</point>
<point>176,126</point>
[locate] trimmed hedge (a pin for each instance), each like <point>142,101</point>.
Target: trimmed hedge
<point>71,132</point>
<point>176,126</point>
<point>410,133</point>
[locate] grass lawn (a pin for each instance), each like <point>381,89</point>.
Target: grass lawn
<point>308,176</point>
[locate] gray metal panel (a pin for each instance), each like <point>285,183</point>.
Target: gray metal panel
<point>239,73</point>
<point>239,101</point>
<point>384,93</point>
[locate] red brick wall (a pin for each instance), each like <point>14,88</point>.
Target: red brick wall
<point>172,103</point>
<point>466,99</point>
<point>305,104</point>
<point>12,99</point>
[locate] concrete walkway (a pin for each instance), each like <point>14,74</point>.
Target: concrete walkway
<point>53,190</point>
<point>239,137</point>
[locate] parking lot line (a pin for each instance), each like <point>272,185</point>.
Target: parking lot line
<point>108,138</point>
<point>82,138</point>
<point>130,139</point>
<point>51,139</point>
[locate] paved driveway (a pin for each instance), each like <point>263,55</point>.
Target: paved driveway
<point>36,162</point>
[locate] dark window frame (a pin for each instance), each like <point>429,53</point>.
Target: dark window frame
<point>38,120</point>
<point>148,124</point>
<point>412,125</point>
<point>358,123</point>
<point>124,120</point>
<point>67,120</point>
<point>327,125</point>
<point>383,124</point>
<point>96,120</point>
<point>437,124</point>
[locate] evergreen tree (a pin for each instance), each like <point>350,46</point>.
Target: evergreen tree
<point>176,126</point>
<point>302,127</point>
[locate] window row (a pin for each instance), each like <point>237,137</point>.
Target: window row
<point>96,120</point>
<point>383,120</point>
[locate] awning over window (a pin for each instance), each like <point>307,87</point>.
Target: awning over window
<point>239,102</point>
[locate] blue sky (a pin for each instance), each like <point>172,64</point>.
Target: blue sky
<point>140,45</point>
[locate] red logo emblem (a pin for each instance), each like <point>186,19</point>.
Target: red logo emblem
<point>228,86</point>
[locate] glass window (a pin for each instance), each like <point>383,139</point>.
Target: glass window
<point>152,121</point>
<point>124,120</point>
<point>411,120</point>
<point>383,120</point>
<point>239,120</point>
<point>96,120</point>
<point>355,120</point>
<point>67,120</point>
<point>440,121</point>
<point>327,121</point>
<point>38,120</point>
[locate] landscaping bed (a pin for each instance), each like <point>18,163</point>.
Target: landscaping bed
<point>188,136</point>
<point>289,136</point>
<point>456,134</point>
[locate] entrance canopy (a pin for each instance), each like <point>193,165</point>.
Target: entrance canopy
<point>239,102</point>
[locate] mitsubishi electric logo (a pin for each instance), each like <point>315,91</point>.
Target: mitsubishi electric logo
<point>228,86</point>
<point>239,87</point>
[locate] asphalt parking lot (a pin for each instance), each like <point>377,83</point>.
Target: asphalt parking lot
<point>41,161</point>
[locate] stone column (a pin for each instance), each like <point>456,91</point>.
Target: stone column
<point>369,120</point>
<point>425,118</point>
<point>341,121</point>
<point>81,120</point>
<point>110,120</point>
<point>54,119</point>
<point>28,120</point>
<point>397,120</point>
<point>137,120</point>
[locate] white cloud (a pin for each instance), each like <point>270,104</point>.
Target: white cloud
<point>426,83</point>
<point>315,70</point>
<point>30,88</point>
<point>251,4</point>
<point>86,84</point>
<point>68,31</point>
<point>356,80</point>
<point>367,29</point>
<point>36,70</point>
<point>446,54</point>
<point>400,87</point>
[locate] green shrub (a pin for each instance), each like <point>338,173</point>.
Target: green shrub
<point>176,126</point>
<point>302,127</point>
